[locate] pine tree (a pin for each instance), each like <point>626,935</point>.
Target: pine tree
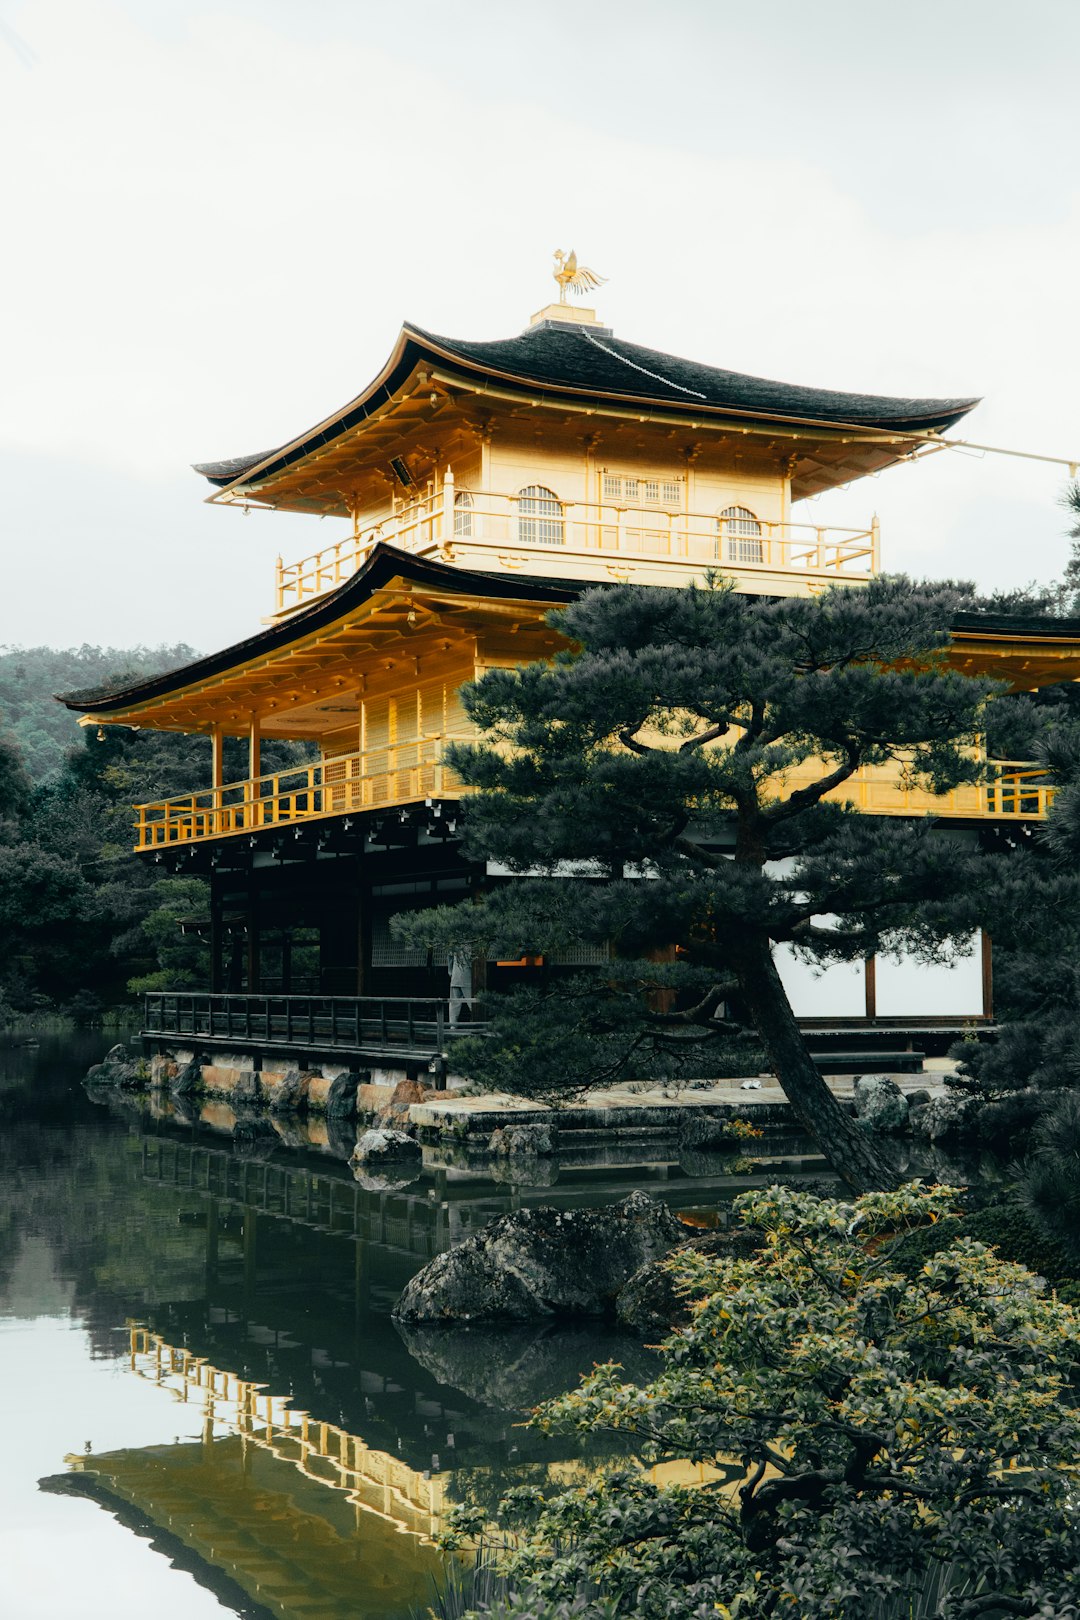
<point>655,755</point>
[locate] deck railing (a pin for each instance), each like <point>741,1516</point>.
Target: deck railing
<point>1016,790</point>
<point>400,773</point>
<point>406,773</point>
<point>489,530</point>
<point>417,1026</point>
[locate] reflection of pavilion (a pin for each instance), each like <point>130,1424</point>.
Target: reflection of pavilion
<point>302,1516</point>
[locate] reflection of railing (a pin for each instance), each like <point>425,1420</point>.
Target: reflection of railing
<point>397,774</point>
<point>490,530</point>
<point>375,1481</point>
<point>415,1024</point>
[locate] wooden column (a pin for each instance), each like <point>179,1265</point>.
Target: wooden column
<point>987,977</point>
<point>870,982</point>
<point>217,941</point>
<point>254,769</point>
<point>253,941</point>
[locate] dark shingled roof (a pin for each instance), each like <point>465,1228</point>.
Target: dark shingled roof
<point>557,359</point>
<point>595,361</point>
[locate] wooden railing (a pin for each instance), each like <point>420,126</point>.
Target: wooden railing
<point>586,539</point>
<point>400,773</point>
<point>419,1026</point>
<point>1015,791</point>
<point>1019,789</point>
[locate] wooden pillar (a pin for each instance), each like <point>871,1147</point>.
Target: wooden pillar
<point>448,512</point>
<point>253,940</point>
<point>987,977</point>
<point>870,980</point>
<point>217,771</point>
<point>254,770</point>
<point>217,940</point>
<point>363,932</point>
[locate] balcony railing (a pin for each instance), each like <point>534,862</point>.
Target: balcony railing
<point>1015,791</point>
<point>405,773</point>
<point>581,539</point>
<point>398,774</point>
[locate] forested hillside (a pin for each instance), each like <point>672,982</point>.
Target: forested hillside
<point>43,729</point>
<point>84,923</point>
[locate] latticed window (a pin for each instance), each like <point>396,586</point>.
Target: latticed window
<point>389,951</point>
<point>463,515</point>
<point>740,535</point>
<point>649,491</point>
<point>540,517</point>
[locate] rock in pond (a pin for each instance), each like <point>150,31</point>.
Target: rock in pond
<point>880,1105</point>
<point>383,1146</point>
<point>121,1067</point>
<point>542,1262</point>
<point>517,1141</point>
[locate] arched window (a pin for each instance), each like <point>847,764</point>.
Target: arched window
<point>463,515</point>
<point>540,517</point>
<point>739,534</point>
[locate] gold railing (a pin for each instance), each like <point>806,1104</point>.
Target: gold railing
<point>585,539</point>
<point>403,773</point>
<point>397,774</point>
<point>1015,791</point>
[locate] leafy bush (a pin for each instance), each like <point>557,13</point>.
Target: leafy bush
<point>873,1443</point>
<point>1005,1225</point>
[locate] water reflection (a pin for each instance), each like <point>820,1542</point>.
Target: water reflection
<point>264,1423</point>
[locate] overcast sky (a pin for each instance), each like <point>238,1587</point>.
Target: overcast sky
<point>215,217</point>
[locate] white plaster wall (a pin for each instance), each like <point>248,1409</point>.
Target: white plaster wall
<point>917,990</point>
<point>838,991</point>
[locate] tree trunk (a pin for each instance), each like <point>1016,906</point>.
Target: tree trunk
<point>851,1151</point>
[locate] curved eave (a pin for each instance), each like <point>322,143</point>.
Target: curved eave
<point>414,347</point>
<point>1029,652</point>
<point>386,563</point>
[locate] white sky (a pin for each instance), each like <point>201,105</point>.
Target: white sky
<point>215,217</point>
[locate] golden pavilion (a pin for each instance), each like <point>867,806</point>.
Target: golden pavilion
<point>475,486</point>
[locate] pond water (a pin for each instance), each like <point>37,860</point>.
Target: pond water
<point>207,1405</point>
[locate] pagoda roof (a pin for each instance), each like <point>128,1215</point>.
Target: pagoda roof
<point>384,565</point>
<point>1031,651</point>
<point>563,361</point>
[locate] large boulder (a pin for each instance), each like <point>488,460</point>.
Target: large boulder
<point>290,1093</point>
<point>405,1093</point>
<point>127,1070</point>
<point>542,1262</point>
<point>705,1133</point>
<point>651,1304</point>
<point>341,1098</point>
<point>943,1117</point>
<point>521,1141</point>
<point>880,1105</point>
<point>186,1080</point>
<point>382,1147</point>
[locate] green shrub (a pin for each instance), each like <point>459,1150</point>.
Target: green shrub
<point>1007,1226</point>
<point>881,1444</point>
